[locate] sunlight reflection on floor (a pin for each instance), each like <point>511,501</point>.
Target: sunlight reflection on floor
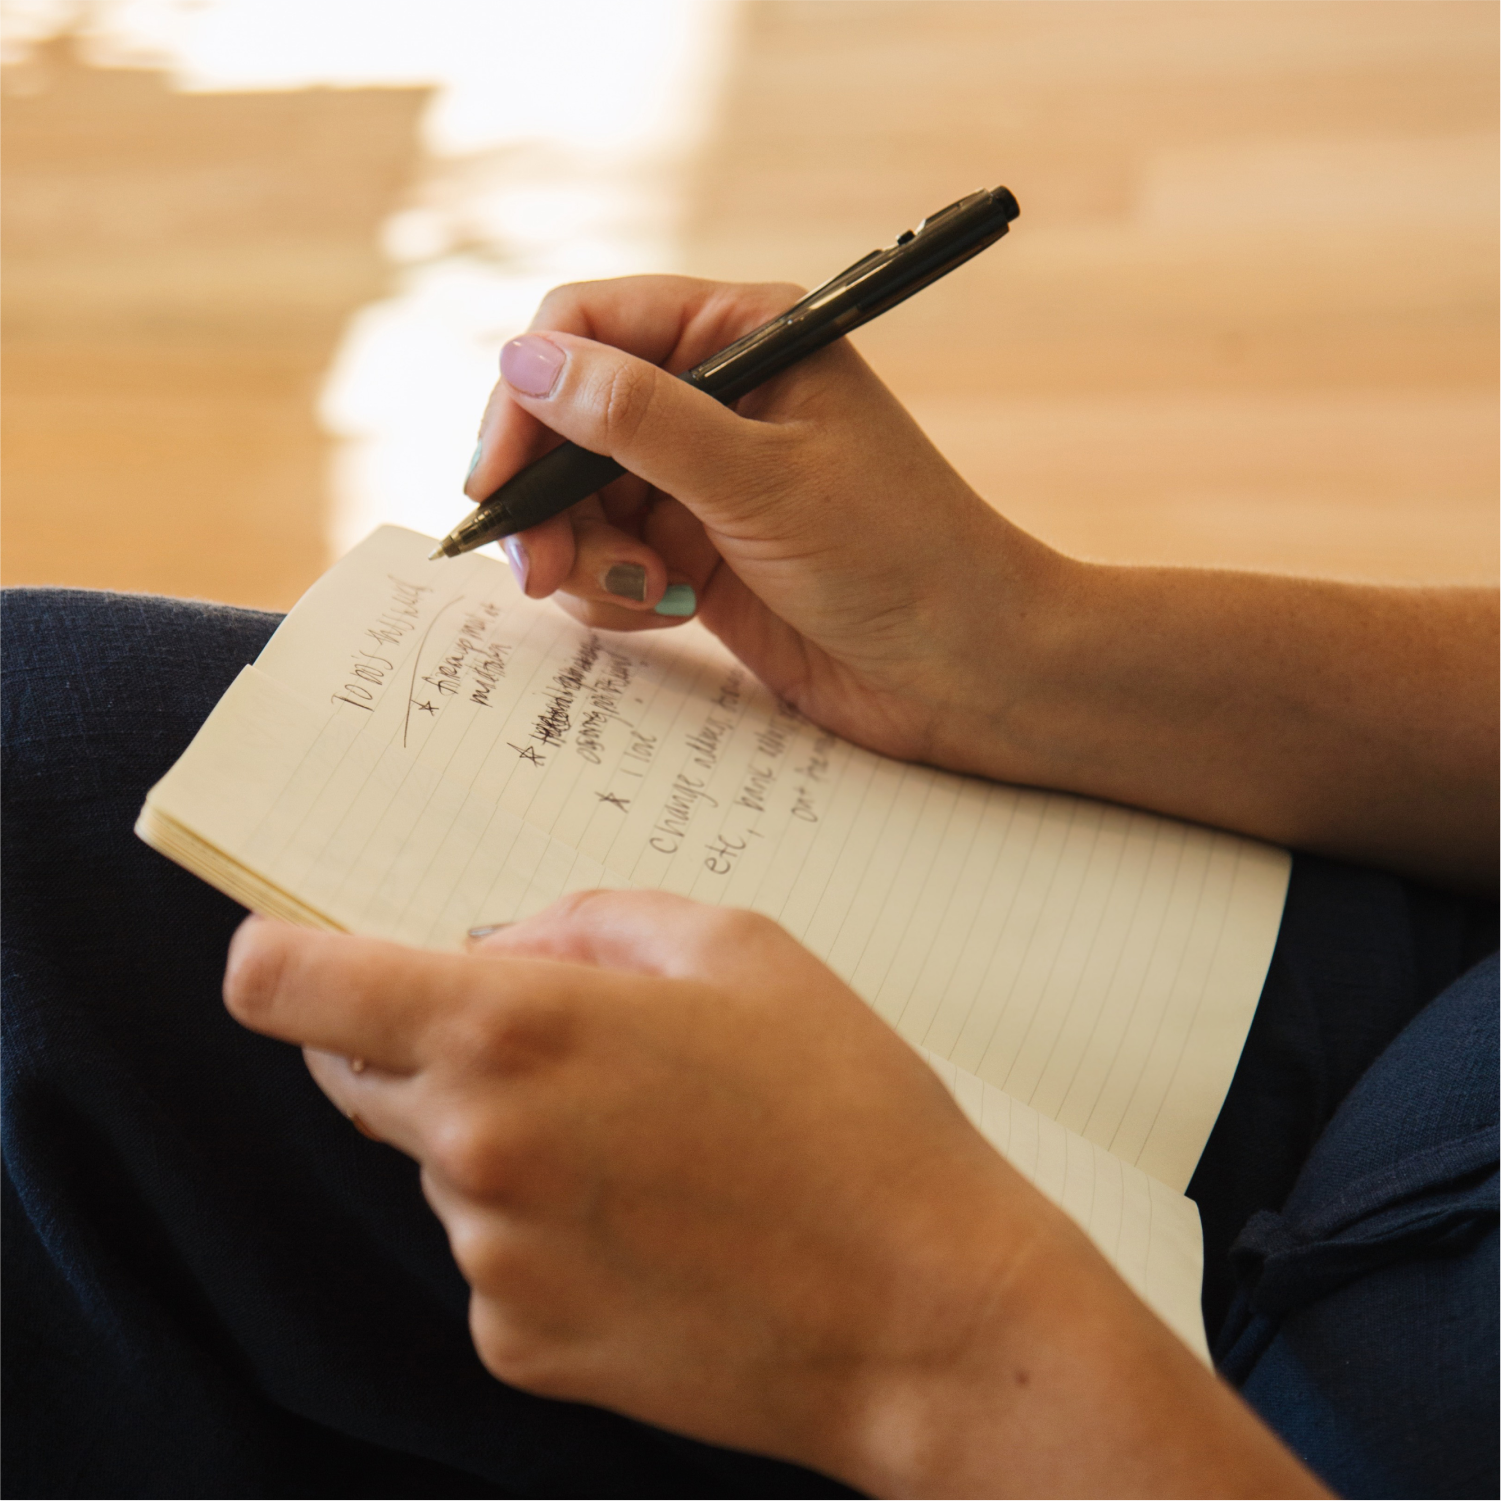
<point>567,167</point>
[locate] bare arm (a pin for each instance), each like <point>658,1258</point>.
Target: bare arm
<point>687,1174</point>
<point>690,1176</point>
<point>1351,720</point>
<point>836,552</point>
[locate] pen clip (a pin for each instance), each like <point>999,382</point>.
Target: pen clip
<point>933,220</point>
<point>908,245</point>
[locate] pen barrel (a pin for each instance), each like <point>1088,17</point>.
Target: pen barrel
<point>863,291</point>
<point>744,371</point>
<point>557,480</point>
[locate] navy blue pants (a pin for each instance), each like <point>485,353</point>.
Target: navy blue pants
<point>215,1287</point>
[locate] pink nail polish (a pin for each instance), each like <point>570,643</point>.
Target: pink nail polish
<point>531,364</point>
<point>521,565</point>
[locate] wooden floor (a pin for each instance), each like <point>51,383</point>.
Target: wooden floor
<point>1247,317</point>
<point>178,273</point>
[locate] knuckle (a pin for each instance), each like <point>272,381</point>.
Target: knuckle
<point>765,299</point>
<point>512,1349</point>
<point>597,898</point>
<point>488,1260</point>
<point>509,1039</point>
<point>559,301</point>
<point>626,401</point>
<point>497,1153</point>
<point>726,931</point>
<point>740,926</point>
<point>468,1154</point>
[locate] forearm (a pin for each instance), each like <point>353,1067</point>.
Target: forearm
<point>1347,719</point>
<point>1064,1385</point>
<point>831,547</point>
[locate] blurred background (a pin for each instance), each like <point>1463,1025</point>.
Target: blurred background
<point>260,257</point>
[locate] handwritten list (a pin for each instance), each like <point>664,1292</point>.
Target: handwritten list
<point>447,752</point>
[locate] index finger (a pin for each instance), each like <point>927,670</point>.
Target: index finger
<point>672,321</point>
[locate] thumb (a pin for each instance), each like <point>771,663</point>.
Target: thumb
<point>658,427</point>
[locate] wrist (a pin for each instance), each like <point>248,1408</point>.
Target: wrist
<point>1008,645</point>
<point>934,1349</point>
<point>1062,1383</point>
<point>936,1422</point>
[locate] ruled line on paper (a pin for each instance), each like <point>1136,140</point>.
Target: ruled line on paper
<point>1102,1194</point>
<point>1038,940</point>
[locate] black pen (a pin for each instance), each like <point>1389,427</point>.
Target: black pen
<point>874,283</point>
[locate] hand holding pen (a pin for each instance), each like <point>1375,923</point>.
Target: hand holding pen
<point>813,528</point>
<point>863,291</point>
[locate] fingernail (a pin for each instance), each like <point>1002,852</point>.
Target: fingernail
<point>486,929</point>
<point>531,364</point>
<point>474,458</point>
<point>678,600</point>
<point>521,565</point>
<point>628,580</point>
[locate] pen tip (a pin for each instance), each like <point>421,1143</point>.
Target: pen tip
<point>436,553</point>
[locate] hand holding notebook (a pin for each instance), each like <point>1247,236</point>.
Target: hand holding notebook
<point>416,753</point>
<point>687,1172</point>
<point>421,749</point>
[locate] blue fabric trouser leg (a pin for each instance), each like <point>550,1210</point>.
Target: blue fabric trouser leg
<point>1359,955</point>
<point>1378,1274</point>
<point>213,1285</point>
<point>1351,1191</point>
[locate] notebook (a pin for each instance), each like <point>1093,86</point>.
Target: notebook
<point>420,749</point>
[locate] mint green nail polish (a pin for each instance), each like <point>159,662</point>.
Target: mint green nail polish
<point>678,600</point>
<point>479,450</point>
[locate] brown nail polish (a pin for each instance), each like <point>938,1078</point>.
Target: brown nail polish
<point>628,580</point>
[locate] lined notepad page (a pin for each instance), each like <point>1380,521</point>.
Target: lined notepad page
<point>432,750</point>
<point>1148,1233</point>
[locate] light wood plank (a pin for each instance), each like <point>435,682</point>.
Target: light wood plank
<point>1248,316</point>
